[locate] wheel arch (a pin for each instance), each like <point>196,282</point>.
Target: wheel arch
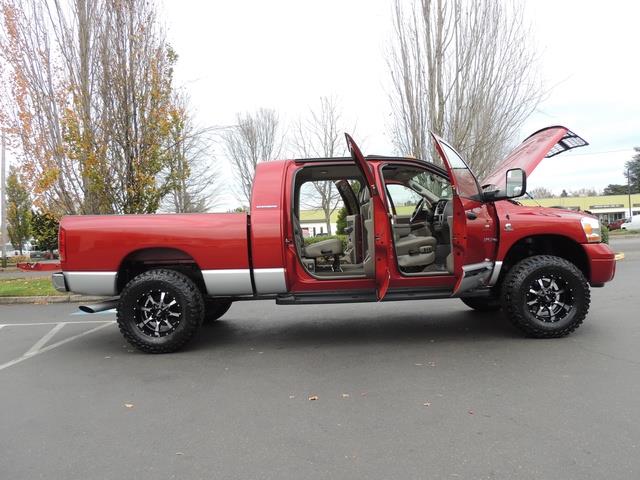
<point>145,259</point>
<point>547,244</point>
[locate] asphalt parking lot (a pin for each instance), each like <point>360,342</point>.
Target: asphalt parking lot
<point>424,390</point>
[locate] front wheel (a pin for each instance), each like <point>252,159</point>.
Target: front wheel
<point>545,296</point>
<point>160,310</point>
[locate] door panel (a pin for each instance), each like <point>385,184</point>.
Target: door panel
<point>474,229</point>
<point>382,232</point>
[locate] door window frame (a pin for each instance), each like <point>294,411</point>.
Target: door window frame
<point>392,246</point>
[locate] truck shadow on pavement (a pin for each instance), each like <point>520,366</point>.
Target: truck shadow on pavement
<point>406,329</point>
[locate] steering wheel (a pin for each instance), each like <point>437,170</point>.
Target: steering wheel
<point>416,211</point>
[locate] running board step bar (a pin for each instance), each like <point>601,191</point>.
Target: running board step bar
<point>359,297</point>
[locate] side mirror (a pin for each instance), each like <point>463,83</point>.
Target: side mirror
<point>515,186</point>
<point>516,182</point>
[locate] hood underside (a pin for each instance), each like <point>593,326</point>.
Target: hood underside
<point>544,143</point>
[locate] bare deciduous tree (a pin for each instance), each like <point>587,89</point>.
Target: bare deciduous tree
<point>255,138</point>
<point>541,192</point>
<point>464,70</point>
<point>321,135</point>
<point>193,176</point>
<point>87,101</point>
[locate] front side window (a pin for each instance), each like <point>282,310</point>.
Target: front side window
<point>417,201</point>
<point>466,182</point>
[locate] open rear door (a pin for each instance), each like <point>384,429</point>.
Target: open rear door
<point>469,266</point>
<point>380,225</point>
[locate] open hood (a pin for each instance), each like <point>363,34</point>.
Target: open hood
<point>544,143</point>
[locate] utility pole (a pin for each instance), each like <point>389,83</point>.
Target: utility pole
<point>3,210</point>
<point>628,192</point>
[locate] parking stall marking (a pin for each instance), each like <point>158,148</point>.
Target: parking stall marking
<point>38,348</point>
<point>79,322</point>
<point>40,343</point>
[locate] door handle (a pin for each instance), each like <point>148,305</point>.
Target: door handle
<point>471,216</point>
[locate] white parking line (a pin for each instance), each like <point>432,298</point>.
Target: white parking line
<point>40,343</point>
<point>79,322</point>
<point>55,345</point>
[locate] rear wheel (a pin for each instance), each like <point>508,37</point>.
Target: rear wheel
<point>160,310</point>
<point>545,296</point>
<point>214,309</point>
<point>482,304</point>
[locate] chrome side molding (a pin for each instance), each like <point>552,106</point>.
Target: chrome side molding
<point>230,282</point>
<point>269,280</point>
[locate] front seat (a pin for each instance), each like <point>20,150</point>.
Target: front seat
<point>411,244</point>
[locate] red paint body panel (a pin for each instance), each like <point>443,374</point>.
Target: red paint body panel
<point>531,221</point>
<point>267,217</point>
<point>527,155</point>
<point>101,242</point>
<point>602,263</point>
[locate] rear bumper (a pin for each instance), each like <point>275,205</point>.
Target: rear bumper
<point>59,282</point>
<point>602,263</point>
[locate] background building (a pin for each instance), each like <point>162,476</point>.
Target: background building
<point>607,208</point>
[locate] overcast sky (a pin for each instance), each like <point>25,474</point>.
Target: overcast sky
<point>240,55</point>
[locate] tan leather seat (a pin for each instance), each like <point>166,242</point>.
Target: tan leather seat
<point>411,244</point>
<point>324,248</point>
<point>331,247</point>
<point>448,213</point>
<point>368,239</point>
<point>419,260</point>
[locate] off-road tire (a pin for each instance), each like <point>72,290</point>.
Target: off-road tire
<point>482,304</point>
<point>214,309</point>
<point>516,287</point>
<point>190,307</point>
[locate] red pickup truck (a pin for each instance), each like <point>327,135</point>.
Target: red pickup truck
<point>463,238</point>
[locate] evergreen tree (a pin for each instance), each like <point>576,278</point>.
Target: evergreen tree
<point>632,171</point>
<point>341,222</point>
<point>18,211</point>
<point>45,230</point>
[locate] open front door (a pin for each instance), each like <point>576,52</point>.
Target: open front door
<point>469,263</point>
<point>382,241</point>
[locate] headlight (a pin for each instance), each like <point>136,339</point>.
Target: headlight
<point>591,227</point>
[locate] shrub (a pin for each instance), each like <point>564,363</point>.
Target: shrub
<point>341,221</point>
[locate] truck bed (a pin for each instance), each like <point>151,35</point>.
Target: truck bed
<point>102,242</point>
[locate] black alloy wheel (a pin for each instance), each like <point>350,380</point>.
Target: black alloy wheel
<point>160,311</point>
<point>545,296</point>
